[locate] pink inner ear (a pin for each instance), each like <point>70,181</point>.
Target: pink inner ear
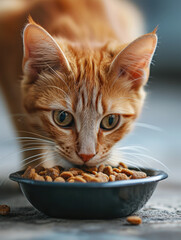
<point>41,50</point>
<point>135,60</point>
<point>137,78</point>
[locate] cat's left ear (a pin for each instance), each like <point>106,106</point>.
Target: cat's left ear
<point>41,52</point>
<point>134,60</point>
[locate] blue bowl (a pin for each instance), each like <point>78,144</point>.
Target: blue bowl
<point>90,200</point>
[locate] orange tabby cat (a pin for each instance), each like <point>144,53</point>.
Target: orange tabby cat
<point>84,71</point>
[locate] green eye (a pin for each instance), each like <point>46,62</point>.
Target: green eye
<point>62,118</point>
<point>110,121</point>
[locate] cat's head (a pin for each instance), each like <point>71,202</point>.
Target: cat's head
<point>84,96</point>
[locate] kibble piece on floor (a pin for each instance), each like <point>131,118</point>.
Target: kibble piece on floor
<point>4,210</point>
<point>134,220</point>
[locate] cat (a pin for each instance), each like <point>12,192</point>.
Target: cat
<point>84,68</point>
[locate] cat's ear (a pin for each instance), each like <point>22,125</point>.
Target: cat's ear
<point>41,52</point>
<point>135,59</point>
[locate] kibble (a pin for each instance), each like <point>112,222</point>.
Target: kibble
<point>4,210</point>
<point>137,175</point>
<point>121,176</point>
<point>108,170</point>
<point>66,175</point>
<point>85,174</point>
<point>48,179</point>
<point>134,220</point>
<point>59,179</point>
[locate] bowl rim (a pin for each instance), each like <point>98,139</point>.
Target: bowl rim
<point>159,175</point>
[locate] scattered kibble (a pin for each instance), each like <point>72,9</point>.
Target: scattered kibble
<point>4,210</point>
<point>134,220</point>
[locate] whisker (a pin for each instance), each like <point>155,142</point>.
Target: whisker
<point>68,101</point>
<point>133,148</point>
<point>23,139</point>
<point>2,182</point>
<point>126,160</point>
<point>138,152</point>
<point>34,160</point>
<point>59,90</point>
<point>154,159</point>
<point>34,144</point>
<point>149,126</point>
<point>59,76</point>
<point>36,155</point>
<point>46,160</point>
<point>22,151</point>
<point>137,158</point>
<point>35,148</point>
<point>35,139</point>
<point>132,151</point>
<point>131,163</point>
<point>36,134</point>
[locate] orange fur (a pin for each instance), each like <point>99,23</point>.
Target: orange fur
<point>84,66</point>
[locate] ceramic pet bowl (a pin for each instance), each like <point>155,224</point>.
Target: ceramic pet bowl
<point>90,200</point>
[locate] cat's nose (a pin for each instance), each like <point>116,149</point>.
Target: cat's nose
<point>86,157</point>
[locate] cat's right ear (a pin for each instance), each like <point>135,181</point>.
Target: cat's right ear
<point>41,52</point>
<point>134,61</point>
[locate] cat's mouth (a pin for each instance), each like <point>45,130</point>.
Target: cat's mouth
<point>97,161</point>
<point>74,159</point>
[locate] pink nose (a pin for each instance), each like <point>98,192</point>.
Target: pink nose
<point>86,157</point>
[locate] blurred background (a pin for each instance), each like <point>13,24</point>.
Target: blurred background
<point>159,127</point>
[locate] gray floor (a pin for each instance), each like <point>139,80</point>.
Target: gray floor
<point>161,220</point>
<point>162,214</point>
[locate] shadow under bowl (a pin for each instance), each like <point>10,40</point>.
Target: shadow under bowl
<point>90,200</point>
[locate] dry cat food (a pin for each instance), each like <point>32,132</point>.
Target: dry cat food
<point>4,210</point>
<point>85,174</point>
<point>134,220</point>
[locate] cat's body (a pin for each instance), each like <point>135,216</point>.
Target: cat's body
<point>84,68</point>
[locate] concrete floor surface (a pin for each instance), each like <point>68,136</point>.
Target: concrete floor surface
<point>161,220</point>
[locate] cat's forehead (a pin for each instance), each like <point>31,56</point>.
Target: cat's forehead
<point>89,59</point>
<point>89,99</point>
<point>97,103</point>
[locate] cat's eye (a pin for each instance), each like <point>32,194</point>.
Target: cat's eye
<point>110,121</point>
<point>62,118</point>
